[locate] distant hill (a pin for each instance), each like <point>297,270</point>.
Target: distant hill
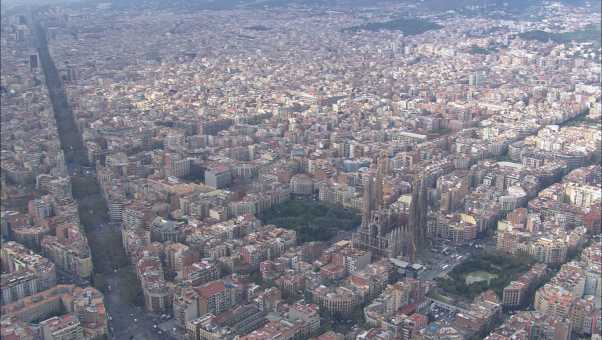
<point>233,4</point>
<point>183,4</point>
<point>447,5</point>
<point>507,5</point>
<point>515,6</point>
<point>591,34</point>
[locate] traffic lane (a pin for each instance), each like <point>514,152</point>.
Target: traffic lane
<point>72,145</point>
<point>437,270</point>
<point>123,316</point>
<point>126,327</point>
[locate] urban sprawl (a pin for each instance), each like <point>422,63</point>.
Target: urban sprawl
<point>293,172</point>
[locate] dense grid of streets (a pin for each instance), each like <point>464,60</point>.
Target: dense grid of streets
<point>273,169</point>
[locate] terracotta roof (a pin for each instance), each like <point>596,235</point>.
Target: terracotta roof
<point>211,289</point>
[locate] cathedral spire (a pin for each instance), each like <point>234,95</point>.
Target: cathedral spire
<point>381,171</point>
<point>368,200</point>
<point>373,198</point>
<point>417,218</point>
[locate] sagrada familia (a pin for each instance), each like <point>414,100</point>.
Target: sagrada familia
<point>384,231</point>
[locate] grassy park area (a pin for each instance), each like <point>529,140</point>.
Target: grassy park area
<point>488,271</point>
<point>312,220</point>
<point>588,34</point>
